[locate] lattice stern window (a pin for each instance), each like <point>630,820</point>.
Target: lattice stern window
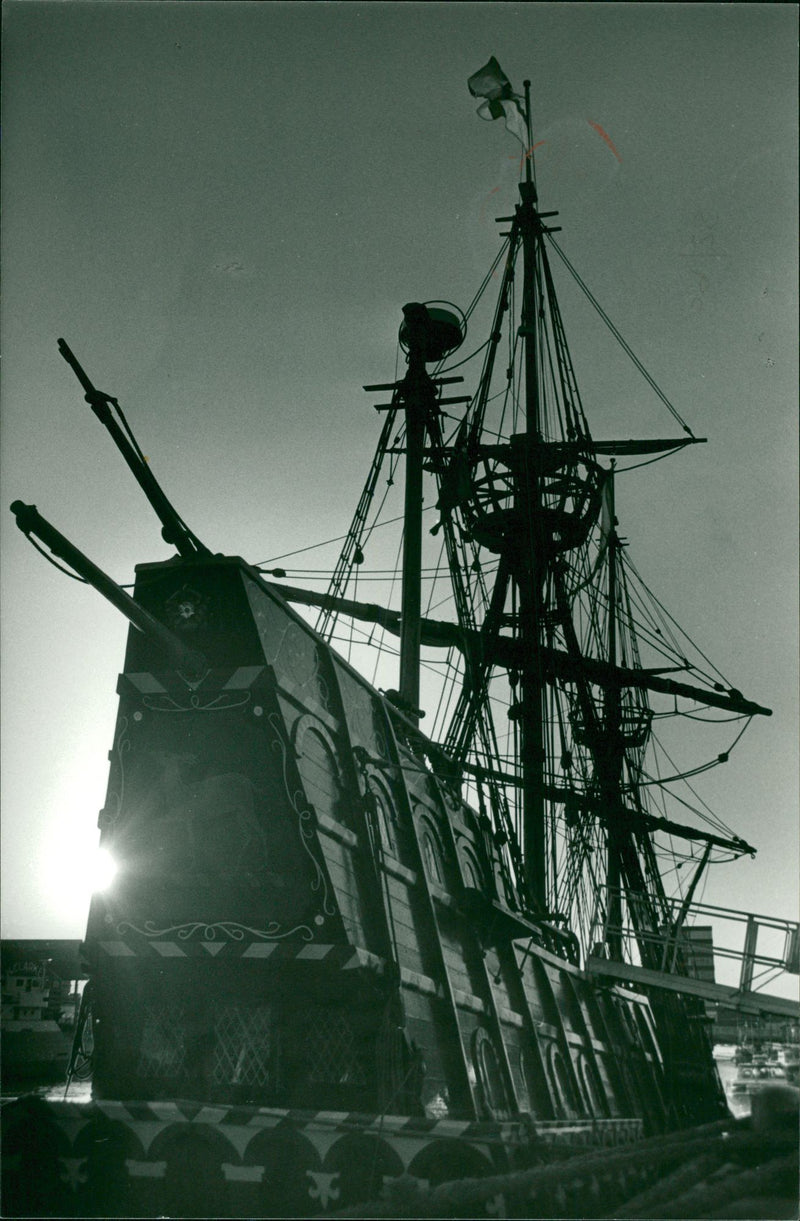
<point>162,1050</point>
<point>333,1052</point>
<point>245,1045</point>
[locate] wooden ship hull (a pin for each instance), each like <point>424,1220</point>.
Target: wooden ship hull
<point>319,968</point>
<point>310,944</point>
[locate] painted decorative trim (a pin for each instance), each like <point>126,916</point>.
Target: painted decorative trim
<point>343,957</point>
<point>210,932</point>
<point>221,702</point>
<point>111,811</point>
<point>305,822</point>
<point>232,930</point>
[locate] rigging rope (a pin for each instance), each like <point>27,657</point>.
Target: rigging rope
<point>665,612</point>
<point>623,344</point>
<point>55,563</point>
<point>329,541</point>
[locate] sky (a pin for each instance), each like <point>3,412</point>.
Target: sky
<point>223,207</point>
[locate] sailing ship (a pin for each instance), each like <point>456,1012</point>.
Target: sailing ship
<point>359,932</point>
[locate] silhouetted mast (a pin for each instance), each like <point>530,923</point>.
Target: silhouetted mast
<point>191,663</point>
<point>174,530</point>
<point>527,450</point>
<point>428,335</point>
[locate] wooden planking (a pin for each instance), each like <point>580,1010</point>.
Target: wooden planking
<point>539,998</point>
<point>342,873</point>
<point>605,1067</point>
<point>526,1089</point>
<point>317,765</point>
<point>427,1028</point>
<point>406,931</point>
<point>497,969</point>
<point>460,958</point>
<point>564,998</point>
<point>456,970</point>
<point>428,921</point>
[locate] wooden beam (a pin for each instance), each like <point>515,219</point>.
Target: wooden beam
<point>747,1002</point>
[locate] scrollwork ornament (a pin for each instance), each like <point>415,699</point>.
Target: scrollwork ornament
<point>113,808</point>
<point>305,819</point>
<point>201,931</point>
<point>323,689</point>
<point>220,703</point>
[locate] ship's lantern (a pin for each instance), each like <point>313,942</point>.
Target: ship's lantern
<point>442,328</point>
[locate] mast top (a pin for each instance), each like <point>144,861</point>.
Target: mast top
<point>434,332</point>
<point>528,158</point>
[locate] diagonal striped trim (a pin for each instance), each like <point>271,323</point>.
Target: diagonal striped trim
<point>243,677</point>
<point>147,683</point>
<point>343,957</point>
<point>260,949</point>
<point>117,949</point>
<point>316,952</point>
<point>168,949</point>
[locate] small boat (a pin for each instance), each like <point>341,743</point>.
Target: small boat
<point>753,1077</point>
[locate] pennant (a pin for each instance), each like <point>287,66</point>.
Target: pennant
<point>491,83</point>
<point>607,519</point>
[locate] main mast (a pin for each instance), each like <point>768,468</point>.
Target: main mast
<point>530,558</point>
<point>562,788</point>
<point>613,746</point>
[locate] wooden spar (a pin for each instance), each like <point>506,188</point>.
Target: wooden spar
<point>635,820</point>
<point>561,665</point>
<point>174,531</point>
<point>188,661</point>
<point>418,394</point>
<point>613,748</point>
<point>630,448</point>
<point>530,568</point>
<point>507,652</point>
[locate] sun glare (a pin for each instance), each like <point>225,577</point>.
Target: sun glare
<point>76,868</point>
<point>103,870</point>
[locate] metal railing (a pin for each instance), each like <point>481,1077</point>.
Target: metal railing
<point>699,938</point>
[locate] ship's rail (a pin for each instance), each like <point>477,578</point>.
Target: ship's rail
<point>721,954</point>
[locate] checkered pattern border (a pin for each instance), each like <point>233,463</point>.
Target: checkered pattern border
<point>507,1132</point>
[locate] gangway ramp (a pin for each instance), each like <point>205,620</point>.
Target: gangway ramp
<point>736,998</point>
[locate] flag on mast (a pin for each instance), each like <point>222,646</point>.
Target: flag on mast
<point>490,82</point>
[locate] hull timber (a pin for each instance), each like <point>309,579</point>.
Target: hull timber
<point>307,915</point>
<point>318,968</point>
<point>311,942</point>
<point>182,1159</point>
